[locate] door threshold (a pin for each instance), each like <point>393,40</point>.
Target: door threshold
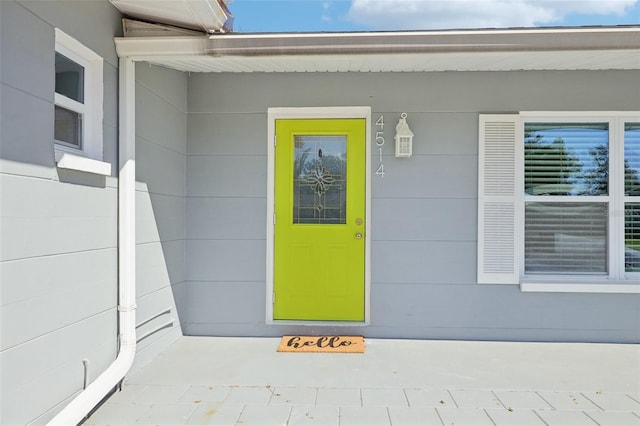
<point>323,323</point>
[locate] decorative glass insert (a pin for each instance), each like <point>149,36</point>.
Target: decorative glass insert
<point>319,180</point>
<point>566,238</point>
<point>566,158</point>
<point>69,78</point>
<point>68,127</point>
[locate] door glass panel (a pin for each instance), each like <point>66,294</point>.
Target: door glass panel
<point>319,181</point>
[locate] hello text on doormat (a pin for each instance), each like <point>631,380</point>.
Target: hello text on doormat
<point>340,344</point>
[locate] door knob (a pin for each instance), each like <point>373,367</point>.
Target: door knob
<point>358,236</point>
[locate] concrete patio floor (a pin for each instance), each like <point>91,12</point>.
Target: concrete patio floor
<point>244,381</point>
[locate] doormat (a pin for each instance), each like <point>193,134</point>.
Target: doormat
<point>341,344</point>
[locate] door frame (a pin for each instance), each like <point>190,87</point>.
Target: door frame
<point>320,113</point>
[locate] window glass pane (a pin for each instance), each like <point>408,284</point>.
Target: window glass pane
<point>319,186</point>
<point>632,237</point>
<point>566,158</point>
<point>69,78</point>
<point>566,238</point>
<point>632,159</point>
<point>68,127</point>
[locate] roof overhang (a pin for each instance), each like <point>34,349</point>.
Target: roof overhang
<point>468,50</point>
<point>209,16</point>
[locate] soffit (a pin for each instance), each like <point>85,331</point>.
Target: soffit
<point>577,60</point>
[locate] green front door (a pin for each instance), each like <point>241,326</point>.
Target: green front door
<point>320,193</point>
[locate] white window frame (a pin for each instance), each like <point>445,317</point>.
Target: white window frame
<point>510,269</point>
<point>89,157</point>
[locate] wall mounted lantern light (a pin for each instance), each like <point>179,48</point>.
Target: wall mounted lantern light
<point>403,138</point>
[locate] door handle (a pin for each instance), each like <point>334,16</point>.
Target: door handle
<point>358,236</point>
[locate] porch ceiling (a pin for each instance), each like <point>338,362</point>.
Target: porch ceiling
<point>472,50</point>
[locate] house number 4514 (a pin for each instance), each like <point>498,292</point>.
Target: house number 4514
<point>379,145</point>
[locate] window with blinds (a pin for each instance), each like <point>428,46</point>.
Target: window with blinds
<point>566,159</point>
<point>566,186</point>
<point>566,238</point>
<point>632,197</point>
<point>559,200</point>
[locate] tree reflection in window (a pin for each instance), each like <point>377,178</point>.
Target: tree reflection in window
<point>566,159</point>
<point>632,191</point>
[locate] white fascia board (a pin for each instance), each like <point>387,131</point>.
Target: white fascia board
<point>548,39</point>
<point>248,53</point>
<point>210,16</point>
<point>400,34</point>
<point>141,47</point>
<point>206,15</point>
<point>419,42</point>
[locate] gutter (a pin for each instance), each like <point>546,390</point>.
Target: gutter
<point>471,41</point>
<point>598,48</point>
<point>379,43</point>
<point>80,407</point>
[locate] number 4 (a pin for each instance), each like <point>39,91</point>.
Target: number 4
<point>380,122</point>
<point>380,171</point>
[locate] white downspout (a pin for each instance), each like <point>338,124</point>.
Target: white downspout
<point>88,399</point>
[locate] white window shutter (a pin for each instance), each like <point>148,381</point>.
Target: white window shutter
<point>498,259</point>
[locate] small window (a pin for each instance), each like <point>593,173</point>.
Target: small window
<point>68,127</point>
<point>70,107</point>
<point>69,78</point>
<point>78,107</point>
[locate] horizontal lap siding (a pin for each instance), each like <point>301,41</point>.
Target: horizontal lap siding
<point>424,211</point>
<point>161,131</point>
<point>226,210</point>
<point>58,245</point>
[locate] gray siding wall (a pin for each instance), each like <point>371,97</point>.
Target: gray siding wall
<point>161,143</point>
<point>59,228</point>
<point>424,211</point>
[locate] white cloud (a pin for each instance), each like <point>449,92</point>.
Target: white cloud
<point>326,17</point>
<point>433,14</point>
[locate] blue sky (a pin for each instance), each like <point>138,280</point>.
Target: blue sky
<point>370,15</point>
